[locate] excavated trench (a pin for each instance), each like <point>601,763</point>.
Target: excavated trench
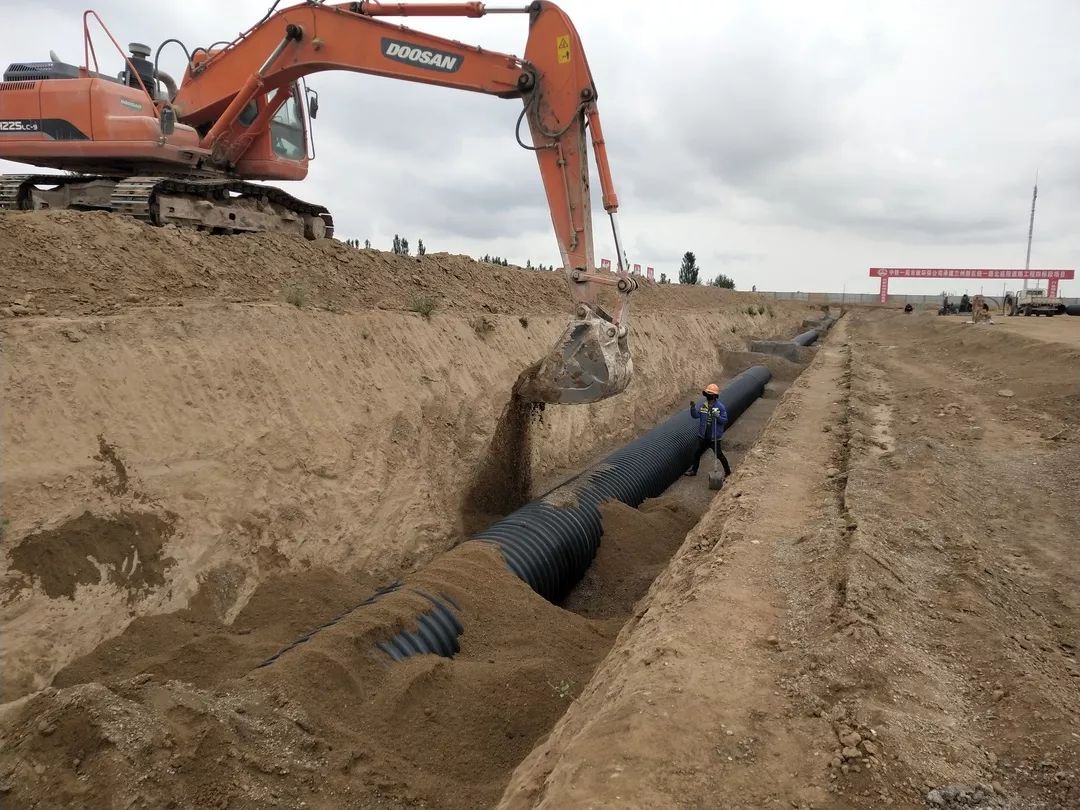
<point>550,542</point>
<point>352,701</point>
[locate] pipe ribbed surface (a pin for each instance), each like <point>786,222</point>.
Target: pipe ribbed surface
<point>550,542</point>
<point>437,628</point>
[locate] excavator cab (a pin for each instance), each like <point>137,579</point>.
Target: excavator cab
<point>279,139</point>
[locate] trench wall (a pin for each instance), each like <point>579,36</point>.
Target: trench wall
<point>166,456</point>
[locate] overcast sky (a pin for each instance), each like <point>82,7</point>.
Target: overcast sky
<point>791,145</point>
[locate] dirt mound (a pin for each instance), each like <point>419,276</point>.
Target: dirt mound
<point>331,722</point>
<point>67,262</point>
<point>194,645</point>
<point>636,545</point>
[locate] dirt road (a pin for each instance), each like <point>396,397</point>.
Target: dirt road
<point>882,611</point>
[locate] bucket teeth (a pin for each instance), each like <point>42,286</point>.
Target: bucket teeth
<point>590,362</point>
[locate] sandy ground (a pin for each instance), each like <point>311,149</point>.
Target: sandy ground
<point>882,610</point>
<point>185,417</point>
<point>1058,329</point>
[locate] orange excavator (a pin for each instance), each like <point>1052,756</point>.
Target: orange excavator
<point>185,153</point>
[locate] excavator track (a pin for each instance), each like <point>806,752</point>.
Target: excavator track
<point>13,185</point>
<point>223,205</point>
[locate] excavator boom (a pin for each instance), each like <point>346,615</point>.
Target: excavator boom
<point>236,116</point>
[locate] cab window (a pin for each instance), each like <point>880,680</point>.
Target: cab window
<point>287,130</point>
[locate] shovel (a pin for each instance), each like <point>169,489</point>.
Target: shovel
<point>716,477</point>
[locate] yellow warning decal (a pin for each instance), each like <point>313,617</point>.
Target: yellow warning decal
<point>562,47</point>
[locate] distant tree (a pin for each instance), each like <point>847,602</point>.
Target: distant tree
<point>420,249</point>
<point>367,244</point>
<point>397,243</point>
<point>404,247</point>
<point>664,279</point>
<point>725,282</point>
<point>689,271</point>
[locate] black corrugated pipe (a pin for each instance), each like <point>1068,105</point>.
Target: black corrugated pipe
<point>550,542</point>
<point>1073,309</point>
<point>811,335</point>
<point>437,628</point>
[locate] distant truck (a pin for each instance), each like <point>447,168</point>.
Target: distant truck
<point>1033,301</point>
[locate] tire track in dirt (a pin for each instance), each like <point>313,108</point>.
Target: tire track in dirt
<point>923,665</point>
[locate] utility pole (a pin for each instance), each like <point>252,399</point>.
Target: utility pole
<point>1031,226</point>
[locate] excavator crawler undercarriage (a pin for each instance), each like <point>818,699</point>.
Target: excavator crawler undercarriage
<point>218,206</point>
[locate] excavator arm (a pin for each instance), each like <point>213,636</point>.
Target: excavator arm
<point>592,359</point>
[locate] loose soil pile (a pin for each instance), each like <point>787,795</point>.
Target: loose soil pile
<point>94,263</point>
<point>174,711</point>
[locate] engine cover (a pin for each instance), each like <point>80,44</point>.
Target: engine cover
<point>39,71</point>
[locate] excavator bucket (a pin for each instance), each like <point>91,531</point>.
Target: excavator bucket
<point>590,362</point>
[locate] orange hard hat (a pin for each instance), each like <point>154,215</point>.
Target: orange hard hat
<point>711,388</point>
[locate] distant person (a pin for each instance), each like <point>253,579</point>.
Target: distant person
<point>712,416</point>
<point>908,308</point>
